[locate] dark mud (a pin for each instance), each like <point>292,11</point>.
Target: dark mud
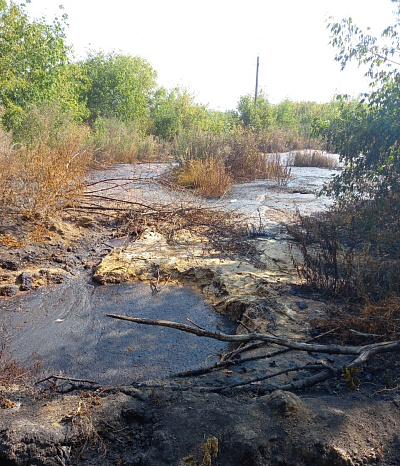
<point>64,327</point>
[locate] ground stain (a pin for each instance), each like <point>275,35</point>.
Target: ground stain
<point>66,328</point>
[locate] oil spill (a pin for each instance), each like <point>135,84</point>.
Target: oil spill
<point>66,329</point>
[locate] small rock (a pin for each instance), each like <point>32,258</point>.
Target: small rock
<point>368,377</point>
<point>26,281</point>
<point>302,305</point>
<point>86,222</point>
<point>286,403</point>
<point>9,264</point>
<point>9,290</point>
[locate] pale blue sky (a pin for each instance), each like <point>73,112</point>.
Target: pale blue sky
<point>211,46</point>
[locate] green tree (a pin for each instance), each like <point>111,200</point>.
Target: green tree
<point>34,65</point>
<point>175,111</point>
<point>120,86</point>
<point>257,116</point>
<point>367,132</point>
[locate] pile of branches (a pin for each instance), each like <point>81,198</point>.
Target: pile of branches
<point>225,230</point>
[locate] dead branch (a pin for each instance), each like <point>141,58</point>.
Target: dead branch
<point>305,382</point>
<point>126,180</point>
<point>121,201</point>
<point>67,379</point>
<point>363,353</point>
<point>228,359</point>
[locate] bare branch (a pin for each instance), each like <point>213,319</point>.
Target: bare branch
<point>363,352</point>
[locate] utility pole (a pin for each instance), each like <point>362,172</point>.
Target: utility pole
<point>255,95</point>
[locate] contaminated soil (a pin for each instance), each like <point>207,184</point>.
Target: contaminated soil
<point>91,390</point>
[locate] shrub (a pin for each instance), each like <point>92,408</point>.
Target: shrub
<point>196,144</point>
<point>116,141</point>
<point>148,148</point>
<point>246,162</point>
<point>352,251</point>
<point>208,177</point>
<point>314,159</point>
<point>239,152</point>
<point>47,170</point>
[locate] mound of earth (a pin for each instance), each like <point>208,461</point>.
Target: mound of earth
<point>147,427</point>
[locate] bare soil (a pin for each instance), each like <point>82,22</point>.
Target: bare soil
<point>179,420</point>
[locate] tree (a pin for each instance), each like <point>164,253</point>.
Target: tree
<point>175,110</point>
<point>120,86</point>
<point>34,65</point>
<point>367,131</point>
<point>257,116</point>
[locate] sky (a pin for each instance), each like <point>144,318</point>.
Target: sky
<point>210,47</point>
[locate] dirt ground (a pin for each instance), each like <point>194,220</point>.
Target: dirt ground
<point>225,417</point>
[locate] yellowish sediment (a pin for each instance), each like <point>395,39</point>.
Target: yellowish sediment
<point>234,286</point>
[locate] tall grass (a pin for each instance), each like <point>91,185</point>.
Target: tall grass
<point>46,171</point>
<point>196,144</point>
<point>314,159</point>
<point>116,141</point>
<point>277,140</point>
<point>245,160</point>
<point>208,177</point>
<point>233,156</point>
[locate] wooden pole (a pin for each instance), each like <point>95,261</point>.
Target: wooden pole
<point>256,93</point>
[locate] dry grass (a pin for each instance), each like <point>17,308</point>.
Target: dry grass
<point>45,173</point>
<point>11,370</point>
<point>278,140</point>
<point>114,141</point>
<point>11,241</point>
<point>245,161</point>
<point>196,144</point>
<point>314,159</point>
<point>373,320</point>
<point>208,178</point>
<point>210,163</point>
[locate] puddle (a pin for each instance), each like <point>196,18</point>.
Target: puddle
<point>65,327</point>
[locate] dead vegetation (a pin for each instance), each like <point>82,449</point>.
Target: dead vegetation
<point>225,231</point>
<point>323,368</point>
<point>314,158</point>
<point>351,255</point>
<point>13,371</point>
<point>41,175</point>
<point>211,163</point>
<point>209,178</point>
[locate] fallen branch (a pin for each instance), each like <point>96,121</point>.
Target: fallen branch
<point>363,353</point>
<point>304,382</point>
<point>66,379</point>
<point>121,201</point>
<point>228,359</point>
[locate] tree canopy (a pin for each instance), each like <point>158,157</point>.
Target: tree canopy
<point>367,131</point>
<point>34,64</point>
<point>120,86</point>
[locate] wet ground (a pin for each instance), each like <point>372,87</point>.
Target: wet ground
<point>261,202</point>
<point>65,328</point>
